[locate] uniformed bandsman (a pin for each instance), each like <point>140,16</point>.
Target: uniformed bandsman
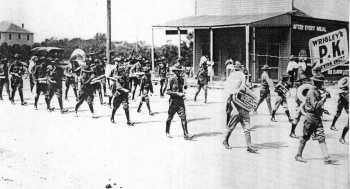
<point>266,84</point>
<point>17,70</point>
<point>146,88</point>
<point>281,89</point>
<point>202,81</point>
<point>313,126</point>
<point>235,83</point>
<point>40,79</point>
<point>175,90</point>
<point>4,77</point>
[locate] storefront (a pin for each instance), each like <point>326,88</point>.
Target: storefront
<point>255,40</point>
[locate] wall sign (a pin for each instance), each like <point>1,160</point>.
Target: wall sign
<point>330,50</point>
<point>303,27</point>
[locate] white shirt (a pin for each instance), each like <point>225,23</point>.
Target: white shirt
<point>292,65</point>
<point>234,82</point>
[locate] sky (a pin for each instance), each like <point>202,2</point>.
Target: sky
<point>131,19</point>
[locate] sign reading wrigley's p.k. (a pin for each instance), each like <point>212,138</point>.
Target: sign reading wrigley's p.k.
<point>330,50</point>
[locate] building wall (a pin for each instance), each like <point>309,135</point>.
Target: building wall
<point>240,7</point>
<point>5,38</point>
<point>274,42</point>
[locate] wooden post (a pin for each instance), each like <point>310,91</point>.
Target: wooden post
<point>108,44</point>
<point>152,50</point>
<point>179,45</point>
<point>247,48</point>
<point>254,57</point>
<point>211,44</point>
<point>194,50</point>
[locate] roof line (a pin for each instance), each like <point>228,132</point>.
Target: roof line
<point>214,26</point>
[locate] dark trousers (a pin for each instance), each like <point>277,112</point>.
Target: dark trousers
<point>163,85</point>
<point>57,90</point>
<point>85,95</point>
<point>119,98</point>
<point>40,88</point>
<point>177,106</point>
<point>16,83</point>
<point>4,82</point>
<point>70,81</point>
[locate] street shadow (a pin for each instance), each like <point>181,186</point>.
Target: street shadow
<point>206,134</point>
<point>215,102</point>
<point>260,127</point>
<point>271,145</point>
<point>145,122</point>
<point>198,119</point>
<point>333,156</point>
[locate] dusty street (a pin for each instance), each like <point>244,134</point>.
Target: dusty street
<point>42,150</point>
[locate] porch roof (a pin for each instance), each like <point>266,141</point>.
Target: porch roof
<point>213,21</point>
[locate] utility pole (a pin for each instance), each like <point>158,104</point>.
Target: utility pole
<point>108,43</point>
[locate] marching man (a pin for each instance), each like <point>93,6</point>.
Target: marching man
<point>266,84</point>
<point>313,108</point>
<point>146,88</point>
<point>175,90</point>
<point>235,84</point>
<point>281,89</point>
<point>343,103</point>
<point>203,79</point>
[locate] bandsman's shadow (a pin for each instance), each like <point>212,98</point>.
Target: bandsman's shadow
<point>206,134</point>
<point>198,119</point>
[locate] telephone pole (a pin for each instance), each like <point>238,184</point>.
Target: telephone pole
<point>108,43</point>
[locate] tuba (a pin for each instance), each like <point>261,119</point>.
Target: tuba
<point>246,99</point>
<point>302,91</point>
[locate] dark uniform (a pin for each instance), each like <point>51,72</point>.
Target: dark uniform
<point>98,71</point>
<point>203,80</point>
<point>40,79</point>
<point>54,79</point>
<point>120,91</point>
<point>176,102</point>
<point>313,126</point>
<point>86,92</point>
<point>4,77</point>
<point>146,87</point>
<point>281,89</point>
<point>17,70</point>
<point>265,89</point>
<point>135,79</point>
<point>71,74</point>
<point>343,103</point>
<point>163,71</point>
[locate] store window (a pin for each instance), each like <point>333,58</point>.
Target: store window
<point>10,36</point>
<point>19,36</point>
<point>27,37</point>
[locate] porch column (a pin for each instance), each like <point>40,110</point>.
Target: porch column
<point>194,49</point>
<point>254,57</point>
<point>247,48</point>
<point>179,45</point>
<point>211,44</point>
<point>152,50</point>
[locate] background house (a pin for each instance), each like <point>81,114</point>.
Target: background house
<point>12,34</point>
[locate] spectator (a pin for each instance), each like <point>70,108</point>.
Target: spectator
<point>292,69</point>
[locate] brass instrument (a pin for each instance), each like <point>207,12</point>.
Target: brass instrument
<point>246,99</point>
<point>282,89</point>
<point>97,79</point>
<point>303,90</point>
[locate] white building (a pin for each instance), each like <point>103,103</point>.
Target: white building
<point>12,34</point>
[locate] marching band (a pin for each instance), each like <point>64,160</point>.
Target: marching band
<point>124,75</point>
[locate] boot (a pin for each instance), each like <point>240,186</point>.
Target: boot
<point>273,115</point>
<point>139,108</point>
<point>167,128</point>
<point>342,138</point>
<point>227,137</point>
<point>288,115</point>
<point>333,123</point>
<point>187,136</point>
<point>149,109</point>
<point>112,116</point>
<point>292,132</point>
<point>301,147</point>
<point>127,114</point>
<point>248,139</point>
